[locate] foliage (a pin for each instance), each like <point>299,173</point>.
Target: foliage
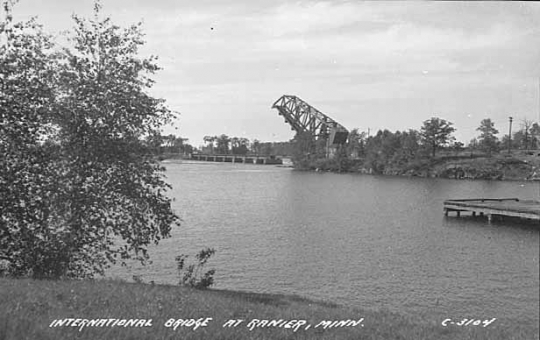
<point>191,275</point>
<point>255,146</point>
<point>507,143</point>
<point>210,140</point>
<point>239,145</point>
<point>488,142</point>
<point>27,179</point>
<point>458,147</point>
<point>175,144</point>
<point>79,188</point>
<point>339,162</point>
<point>356,143</point>
<point>223,143</point>
<point>275,148</point>
<point>391,150</point>
<point>137,279</point>
<point>304,150</point>
<point>527,137</point>
<point>535,135</point>
<point>526,127</point>
<point>436,132</point>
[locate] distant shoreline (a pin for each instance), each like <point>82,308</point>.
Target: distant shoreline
<point>499,167</point>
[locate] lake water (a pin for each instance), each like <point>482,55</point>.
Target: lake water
<point>359,240</point>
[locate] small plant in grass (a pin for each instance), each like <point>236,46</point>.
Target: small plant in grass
<point>138,279</point>
<point>192,274</point>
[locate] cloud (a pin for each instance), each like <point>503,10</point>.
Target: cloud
<point>384,59</point>
<point>309,17</point>
<point>369,37</point>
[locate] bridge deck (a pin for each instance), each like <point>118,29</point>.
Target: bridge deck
<point>252,159</point>
<point>514,207</point>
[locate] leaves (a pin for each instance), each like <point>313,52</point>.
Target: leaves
<point>192,275</point>
<point>436,132</point>
<point>487,140</point>
<point>78,186</point>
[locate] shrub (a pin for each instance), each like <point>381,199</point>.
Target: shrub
<point>192,275</point>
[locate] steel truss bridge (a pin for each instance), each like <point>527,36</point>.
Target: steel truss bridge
<point>303,117</point>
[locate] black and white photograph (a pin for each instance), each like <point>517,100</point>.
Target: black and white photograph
<point>237,170</point>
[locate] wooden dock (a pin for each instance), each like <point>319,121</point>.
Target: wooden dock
<point>514,207</point>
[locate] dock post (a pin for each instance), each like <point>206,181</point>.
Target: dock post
<point>445,212</point>
<point>458,213</point>
<point>490,218</point>
<point>474,213</point>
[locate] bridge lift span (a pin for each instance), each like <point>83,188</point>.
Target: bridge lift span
<point>305,118</point>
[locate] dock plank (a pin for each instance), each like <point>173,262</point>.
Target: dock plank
<point>529,209</point>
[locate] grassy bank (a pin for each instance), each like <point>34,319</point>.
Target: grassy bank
<point>28,307</point>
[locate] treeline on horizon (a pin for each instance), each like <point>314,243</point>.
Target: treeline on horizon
<point>411,149</point>
<point>385,149</point>
<point>220,145</point>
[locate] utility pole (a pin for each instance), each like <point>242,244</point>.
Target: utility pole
<point>510,135</point>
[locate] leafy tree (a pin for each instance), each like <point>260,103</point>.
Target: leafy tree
<point>406,148</point>
<point>487,141</point>
<point>175,144</point>
<point>535,135</point>
<point>170,141</point>
<point>304,149</point>
<point>210,140</point>
<point>181,145</point>
<point>410,141</point>
<point>519,140</point>
<point>435,133</point>
<point>187,148</point>
<point>192,275</point>
<point>239,145</point>
<point>355,143</point>
<point>458,147</point>
<point>507,143</point>
<point>154,143</point>
<point>26,177</point>
<point>381,150</point>
<point>266,149</point>
<point>93,194</point>
<point>256,146</point>
<point>526,125</point>
<point>223,142</point>
<point>234,144</point>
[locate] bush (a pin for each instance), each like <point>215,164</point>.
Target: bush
<point>191,275</point>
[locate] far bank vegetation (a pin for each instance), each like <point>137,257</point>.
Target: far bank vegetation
<point>431,151</point>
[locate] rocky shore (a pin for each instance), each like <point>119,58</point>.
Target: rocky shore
<point>499,167</point>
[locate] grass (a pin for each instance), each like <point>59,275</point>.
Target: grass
<point>27,307</point>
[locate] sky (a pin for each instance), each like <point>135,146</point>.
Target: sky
<point>368,65</point>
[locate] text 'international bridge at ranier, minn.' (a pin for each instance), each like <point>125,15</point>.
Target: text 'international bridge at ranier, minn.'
<point>303,117</point>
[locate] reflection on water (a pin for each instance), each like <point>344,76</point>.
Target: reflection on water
<point>367,241</point>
